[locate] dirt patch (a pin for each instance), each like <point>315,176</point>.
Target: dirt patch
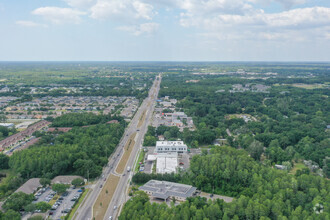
<point>103,201</point>
<point>127,152</point>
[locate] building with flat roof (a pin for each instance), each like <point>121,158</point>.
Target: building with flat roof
<point>30,186</point>
<point>7,125</point>
<point>170,146</point>
<point>166,190</point>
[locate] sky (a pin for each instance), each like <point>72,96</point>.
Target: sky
<point>165,30</point>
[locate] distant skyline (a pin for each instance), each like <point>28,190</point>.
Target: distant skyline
<point>165,30</point>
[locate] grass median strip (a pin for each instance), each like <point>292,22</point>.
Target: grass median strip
<point>127,152</point>
<point>103,201</point>
<point>142,118</point>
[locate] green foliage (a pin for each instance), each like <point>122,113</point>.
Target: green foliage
<point>150,139</point>
<point>11,215</point>
<point>60,188</point>
<point>17,201</point>
<point>43,206</point>
<point>4,160</point>
<point>78,182</point>
<point>82,151</point>
<point>81,119</point>
<point>45,181</point>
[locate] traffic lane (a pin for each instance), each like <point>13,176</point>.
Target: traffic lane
<point>122,188</point>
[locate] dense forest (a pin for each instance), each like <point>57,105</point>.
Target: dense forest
<point>83,151</point>
<point>289,122</point>
<point>261,192</point>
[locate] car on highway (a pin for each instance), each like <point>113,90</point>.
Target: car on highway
<point>101,186</point>
<point>115,207</point>
<point>110,217</point>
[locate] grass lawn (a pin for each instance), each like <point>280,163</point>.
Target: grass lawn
<point>140,159</point>
<point>297,166</point>
<point>82,197</point>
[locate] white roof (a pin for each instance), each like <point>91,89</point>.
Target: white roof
<point>166,164</point>
<point>170,143</point>
<point>6,124</point>
<point>152,157</point>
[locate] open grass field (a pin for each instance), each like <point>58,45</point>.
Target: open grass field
<point>127,152</point>
<point>101,205</point>
<point>297,166</point>
<point>78,204</point>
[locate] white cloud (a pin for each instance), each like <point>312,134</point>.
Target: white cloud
<point>145,28</point>
<point>58,15</point>
<point>83,4</point>
<point>124,11</point>
<point>287,4</point>
<point>30,24</point>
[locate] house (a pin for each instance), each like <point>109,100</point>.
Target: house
<point>166,190</point>
<point>170,146</point>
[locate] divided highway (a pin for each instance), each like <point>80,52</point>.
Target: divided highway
<point>138,126</point>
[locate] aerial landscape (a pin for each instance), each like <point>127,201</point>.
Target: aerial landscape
<point>169,110</point>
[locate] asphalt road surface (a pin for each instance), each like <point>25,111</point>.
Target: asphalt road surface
<point>85,211</point>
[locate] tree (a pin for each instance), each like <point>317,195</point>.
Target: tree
<point>11,215</point>
<point>30,207</point>
<point>326,167</point>
<point>77,182</point>
<point>17,201</point>
<point>256,149</point>
<point>60,188</point>
<point>4,160</point>
<point>43,206</point>
<point>3,118</point>
<point>45,181</point>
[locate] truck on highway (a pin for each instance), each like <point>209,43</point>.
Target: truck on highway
<point>128,169</point>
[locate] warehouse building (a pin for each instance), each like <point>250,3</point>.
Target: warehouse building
<point>166,190</point>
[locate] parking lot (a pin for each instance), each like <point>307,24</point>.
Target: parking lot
<point>62,204</point>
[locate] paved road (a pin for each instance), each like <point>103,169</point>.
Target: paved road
<point>84,212</point>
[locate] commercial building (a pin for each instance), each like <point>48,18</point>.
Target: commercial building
<point>7,125</point>
<point>166,190</point>
<point>170,146</point>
